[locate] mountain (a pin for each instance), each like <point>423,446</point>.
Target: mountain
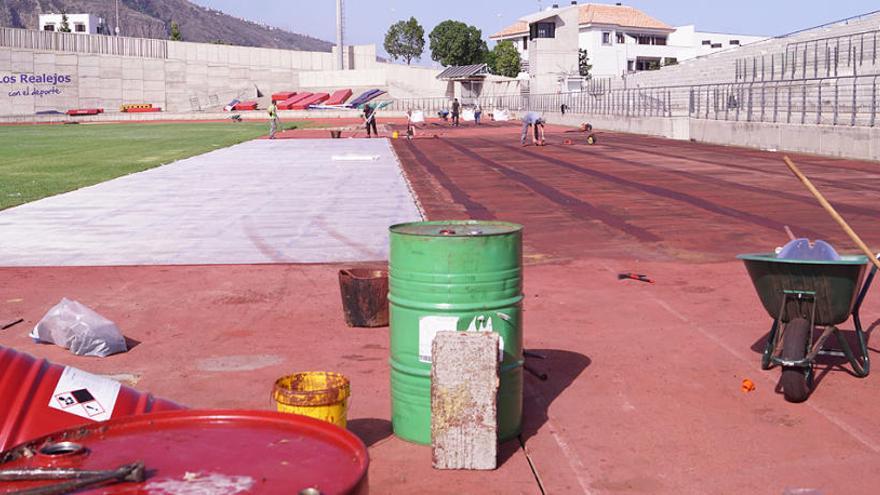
<point>152,19</point>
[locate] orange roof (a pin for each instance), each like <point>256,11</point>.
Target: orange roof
<point>519,27</point>
<point>621,15</point>
<point>597,13</point>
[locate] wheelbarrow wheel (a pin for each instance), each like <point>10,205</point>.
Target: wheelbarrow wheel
<point>796,381</point>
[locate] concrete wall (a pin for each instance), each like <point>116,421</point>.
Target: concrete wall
<point>862,143</point>
<point>188,76</point>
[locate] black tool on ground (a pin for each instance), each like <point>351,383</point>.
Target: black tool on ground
<point>11,323</point>
<point>635,276</point>
<point>80,479</point>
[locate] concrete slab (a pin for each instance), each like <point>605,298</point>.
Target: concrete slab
<point>258,202</point>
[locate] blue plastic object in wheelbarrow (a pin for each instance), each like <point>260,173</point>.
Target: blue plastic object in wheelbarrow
<point>801,295</point>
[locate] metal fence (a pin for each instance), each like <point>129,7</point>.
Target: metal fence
<point>83,43</point>
<point>847,54</point>
<point>846,100</point>
<point>435,104</point>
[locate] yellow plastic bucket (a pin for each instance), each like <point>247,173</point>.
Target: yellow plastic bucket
<point>318,394</point>
<point>395,135</point>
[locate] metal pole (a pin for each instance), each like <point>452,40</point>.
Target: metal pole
<point>118,31</point>
<point>854,109</point>
<point>707,102</point>
<point>775,103</point>
<point>749,114</point>
<point>836,100</point>
<point>874,101</point>
<point>340,59</point>
<point>804,106</point>
<point>788,116</point>
<point>819,105</point>
<point>762,103</point>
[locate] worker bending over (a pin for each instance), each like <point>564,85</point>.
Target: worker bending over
<point>532,119</point>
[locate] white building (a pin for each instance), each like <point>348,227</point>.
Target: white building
<point>78,23</point>
<point>621,39</point>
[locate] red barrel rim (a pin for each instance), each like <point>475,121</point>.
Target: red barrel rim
<point>97,433</point>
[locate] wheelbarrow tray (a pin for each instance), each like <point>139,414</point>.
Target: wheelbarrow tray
<point>835,284</point>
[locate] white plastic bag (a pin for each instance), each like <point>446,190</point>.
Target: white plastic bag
<point>76,327</point>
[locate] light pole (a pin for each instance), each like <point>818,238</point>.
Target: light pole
<point>117,17</point>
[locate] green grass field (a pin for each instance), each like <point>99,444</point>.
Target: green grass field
<point>44,160</point>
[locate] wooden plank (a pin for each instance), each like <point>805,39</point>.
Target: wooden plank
<point>464,387</point>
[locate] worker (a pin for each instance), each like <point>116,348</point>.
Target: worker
<point>532,119</point>
<point>370,119</point>
<point>478,111</point>
<point>410,125</point>
<point>456,108</point>
<point>273,120</point>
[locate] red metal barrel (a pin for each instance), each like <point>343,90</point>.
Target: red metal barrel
<point>205,452</point>
<point>38,398</point>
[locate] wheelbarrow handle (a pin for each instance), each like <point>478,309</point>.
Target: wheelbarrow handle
<point>831,211</point>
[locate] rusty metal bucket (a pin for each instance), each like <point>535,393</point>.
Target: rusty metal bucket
<point>335,134</point>
<point>364,296</point>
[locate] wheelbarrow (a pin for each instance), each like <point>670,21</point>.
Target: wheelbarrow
<point>803,296</point>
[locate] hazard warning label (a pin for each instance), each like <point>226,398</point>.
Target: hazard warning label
<point>85,395</point>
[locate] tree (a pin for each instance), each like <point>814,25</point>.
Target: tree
<point>406,40</point>
<point>65,25</point>
<point>584,66</point>
<point>175,32</point>
<point>456,43</point>
<point>504,59</point>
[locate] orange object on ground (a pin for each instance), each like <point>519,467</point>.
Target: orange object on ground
<point>288,103</point>
<point>567,141</point>
<point>339,97</point>
<point>85,111</point>
<point>283,95</point>
<point>314,99</point>
<point>143,110</point>
<point>747,385</point>
<point>245,105</point>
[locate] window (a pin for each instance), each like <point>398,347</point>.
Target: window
<point>49,27</point>
<point>670,61</point>
<point>606,38</point>
<point>734,42</point>
<point>542,30</point>
<point>525,42</point>
<point>621,39</point>
<point>79,28</point>
<point>630,65</point>
<point>659,41</point>
<point>707,42</point>
<point>716,45</point>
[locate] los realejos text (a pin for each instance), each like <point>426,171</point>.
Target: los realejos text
<point>36,79</point>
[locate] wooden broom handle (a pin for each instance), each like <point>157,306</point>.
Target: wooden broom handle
<point>831,211</point>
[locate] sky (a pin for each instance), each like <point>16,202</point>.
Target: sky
<point>368,20</point>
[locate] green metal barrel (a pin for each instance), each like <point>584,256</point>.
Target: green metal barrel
<point>461,276</point>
